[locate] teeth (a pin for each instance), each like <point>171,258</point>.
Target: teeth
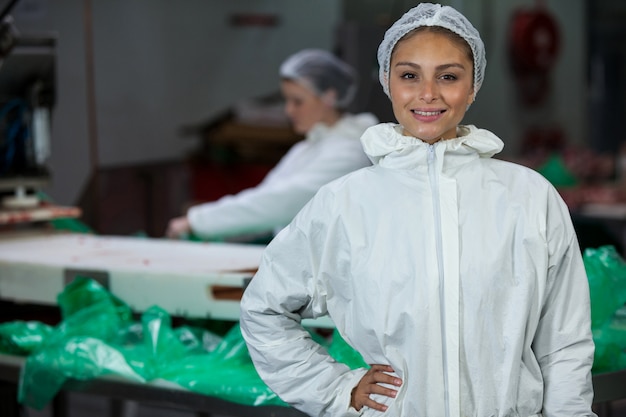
<point>426,113</point>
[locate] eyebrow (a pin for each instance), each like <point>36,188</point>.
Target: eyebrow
<point>439,67</point>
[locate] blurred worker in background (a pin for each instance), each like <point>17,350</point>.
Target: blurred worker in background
<point>317,88</point>
<point>455,275</point>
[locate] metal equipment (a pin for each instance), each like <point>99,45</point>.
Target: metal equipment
<point>27,91</point>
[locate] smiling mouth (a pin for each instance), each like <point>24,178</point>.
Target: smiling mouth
<point>428,113</point>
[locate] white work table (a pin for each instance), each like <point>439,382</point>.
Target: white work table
<point>187,279</point>
<point>184,278</point>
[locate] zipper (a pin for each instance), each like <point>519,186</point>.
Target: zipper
<point>433,176</point>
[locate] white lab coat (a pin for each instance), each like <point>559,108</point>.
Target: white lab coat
<point>324,155</point>
<point>461,271</point>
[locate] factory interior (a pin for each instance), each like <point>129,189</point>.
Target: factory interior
<point>119,116</point>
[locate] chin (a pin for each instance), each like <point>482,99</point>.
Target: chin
<point>424,136</point>
<point>300,130</point>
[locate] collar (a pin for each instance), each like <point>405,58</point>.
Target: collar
<point>387,146</point>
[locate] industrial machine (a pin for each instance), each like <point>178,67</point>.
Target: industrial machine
<point>27,93</point>
<point>27,98</point>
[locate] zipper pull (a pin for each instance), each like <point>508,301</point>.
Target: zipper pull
<point>431,152</point>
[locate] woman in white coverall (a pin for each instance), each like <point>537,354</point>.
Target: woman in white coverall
<point>317,87</point>
<point>456,275</point>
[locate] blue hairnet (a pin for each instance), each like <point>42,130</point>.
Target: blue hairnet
<point>321,71</point>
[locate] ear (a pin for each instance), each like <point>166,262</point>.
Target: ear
<point>470,98</point>
<point>329,97</point>
<point>385,84</point>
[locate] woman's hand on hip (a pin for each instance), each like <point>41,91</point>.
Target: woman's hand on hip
<point>370,384</point>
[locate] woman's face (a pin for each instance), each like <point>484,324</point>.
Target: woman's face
<point>305,108</point>
<point>430,84</point>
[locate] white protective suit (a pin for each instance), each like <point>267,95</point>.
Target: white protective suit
<point>461,271</point>
<point>325,154</point>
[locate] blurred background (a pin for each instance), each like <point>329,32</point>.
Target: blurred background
<point>152,104</point>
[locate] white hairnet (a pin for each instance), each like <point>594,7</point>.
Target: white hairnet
<point>429,14</point>
<point>321,71</point>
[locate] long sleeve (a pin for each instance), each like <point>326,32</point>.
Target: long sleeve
<point>563,343</point>
<point>286,189</point>
<point>298,369</point>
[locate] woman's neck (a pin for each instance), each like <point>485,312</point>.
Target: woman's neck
<point>332,118</point>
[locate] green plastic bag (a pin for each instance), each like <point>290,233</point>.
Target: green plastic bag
<point>157,344</point>
<point>78,347</point>
<point>606,272</point>
<point>555,171</point>
<point>79,357</point>
<point>83,293</point>
<point>343,352</point>
<point>22,337</point>
<point>98,336</point>
<point>227,372</point>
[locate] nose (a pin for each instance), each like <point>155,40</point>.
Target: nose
<point>429,91</point>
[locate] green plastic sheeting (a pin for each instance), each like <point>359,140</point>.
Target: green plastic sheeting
<point>606,271</point>
<point>98,336</point>
<point>555,171</point>
<point>21,338</point>
<point>79,347</point>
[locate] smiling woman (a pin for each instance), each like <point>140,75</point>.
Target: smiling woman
<point>457,276</point>
<point>431,83</point>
